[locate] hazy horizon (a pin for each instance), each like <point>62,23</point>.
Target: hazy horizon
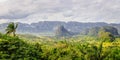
<point>2,22</point>
<point>32,11</point>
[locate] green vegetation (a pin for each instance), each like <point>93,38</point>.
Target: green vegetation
<point>62,32</point>
<point>11,28</point>
<point>95,30</point>
<point>29,47</point>
<point>14,48</point>
<point>106,36</point>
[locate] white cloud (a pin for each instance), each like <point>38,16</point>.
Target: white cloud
<point>1,1</point>
<point>3,21</point>
<point>61,10</point>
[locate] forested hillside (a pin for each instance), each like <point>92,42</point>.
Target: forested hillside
<point>14,46</point>
<point>95,30</point>
<point>59,29</point>
<point>85,48</point>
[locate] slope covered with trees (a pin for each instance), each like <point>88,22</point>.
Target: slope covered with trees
<point>60,31</point>
<point>49,48</point>
<point>94,31</point>
<point>14,48</point>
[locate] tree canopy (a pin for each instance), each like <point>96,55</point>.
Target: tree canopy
<point>11,28</point>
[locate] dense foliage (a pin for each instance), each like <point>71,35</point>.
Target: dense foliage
<point>14,48</point>
<point>11,28</point>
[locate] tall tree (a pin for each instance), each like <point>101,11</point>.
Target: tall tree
<point>11,28</point>
<point>106,35</point>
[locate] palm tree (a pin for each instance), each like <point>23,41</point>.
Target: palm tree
<point>11,28</point>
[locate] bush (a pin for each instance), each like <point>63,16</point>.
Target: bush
<point>13,48</point>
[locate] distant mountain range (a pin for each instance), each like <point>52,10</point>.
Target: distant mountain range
<point>48,27</point>
<point>96,30</point>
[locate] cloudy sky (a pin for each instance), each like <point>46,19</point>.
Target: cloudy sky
<point>29,11</point>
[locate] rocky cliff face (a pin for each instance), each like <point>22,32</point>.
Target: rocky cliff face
<point>60,31</point>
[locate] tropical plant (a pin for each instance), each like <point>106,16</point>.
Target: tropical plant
<point>106,36</point>
<point>11,28</point>
<point>15,48</point>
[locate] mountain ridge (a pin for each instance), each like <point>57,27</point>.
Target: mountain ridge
<point>48,26</point>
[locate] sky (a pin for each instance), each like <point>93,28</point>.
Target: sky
<point>31,11</point>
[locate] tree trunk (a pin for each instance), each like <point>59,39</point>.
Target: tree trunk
<point>14,33</point>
